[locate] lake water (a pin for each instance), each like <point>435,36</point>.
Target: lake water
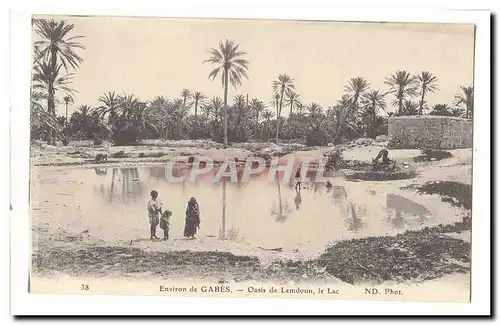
<point>112,202</point>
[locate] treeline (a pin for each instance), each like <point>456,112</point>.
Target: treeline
<point>126,119</point>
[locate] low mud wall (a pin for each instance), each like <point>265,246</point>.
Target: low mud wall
<point>429,132</point>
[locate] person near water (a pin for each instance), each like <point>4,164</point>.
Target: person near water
<point>154,209</point>
<point>192,218</point>
<point>165,223</point>
<point>297,179</point>
<point>384,154</point>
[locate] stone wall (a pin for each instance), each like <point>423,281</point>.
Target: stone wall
<point>429,132</point>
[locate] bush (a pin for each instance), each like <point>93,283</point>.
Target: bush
<point>125,136</point>
<point>65,141</point>
<point>119,154</point>
<point>97,141</point>
<point>370,175</point>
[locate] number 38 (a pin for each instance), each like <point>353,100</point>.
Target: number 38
<point>84,287</point>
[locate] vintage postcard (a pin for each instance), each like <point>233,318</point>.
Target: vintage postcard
<point>251,158</point>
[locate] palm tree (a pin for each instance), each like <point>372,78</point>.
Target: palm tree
<point>314,108</point>
<point>410,108</point>
<point>355,88</point>
<point>109,106</point>
<point>82,121</point>
<point>292,98</point>
<point>198,97</point>
<point>257,106</point>
<point>446,110</point>
<point>268,115</point>
<point>233,68</point>
<point>186,95</point>
<point>42,77</point>
<point>283,84</point>
<point>374,102</point>
<point>403,85</point>
<point>67,99</point>
<point>466,97</point>
<point>428,83</point>
<point>160,116</point>
<point>57,48</point>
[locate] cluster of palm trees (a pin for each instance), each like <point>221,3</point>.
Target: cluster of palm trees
<point>125,118</point>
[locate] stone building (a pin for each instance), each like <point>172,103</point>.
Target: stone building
<point>429,132</point>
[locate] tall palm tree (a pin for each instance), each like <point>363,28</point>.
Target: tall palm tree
<point>403,85</point>
<point>428,83</point>
<point>67,99</point>
<point>292,99</point>
<point>466,97</point>
<point>186,95</point>
<point>355,88</point>
<point>283,84</point>
<point>57,48</point>
<point>43,76</point>
<point>198,98</point>
<point>231,65</point>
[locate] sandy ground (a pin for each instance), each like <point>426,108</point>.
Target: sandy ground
<point>51,230</point>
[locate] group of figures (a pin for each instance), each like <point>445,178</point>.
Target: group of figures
<point>158,216</point>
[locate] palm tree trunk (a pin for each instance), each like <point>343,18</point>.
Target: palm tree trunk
<point>421,109</point>
<point>225,106</point>
<point>279,114</point>
<point>291,107</point>
<point>196,107</point>
<point>51,100</point>
<point>279,199</point>
<point>223,226</point>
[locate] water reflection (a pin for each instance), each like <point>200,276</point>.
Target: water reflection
<point>401,207</point>
<point>125,185</point>
<point>255,210</point>
<point>354,222</point>
<point>100,171</point>
<point>298,200</point>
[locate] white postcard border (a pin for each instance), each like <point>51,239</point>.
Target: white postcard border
<point>23,303</point>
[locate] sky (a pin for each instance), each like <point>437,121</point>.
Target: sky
<point>150,57</point>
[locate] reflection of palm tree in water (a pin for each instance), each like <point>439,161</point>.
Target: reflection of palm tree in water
<point>398,221</point>
<point>354,223</point>
<point>100,171</point>
<point>130,183</point>
<point>222,234</point>
<point>298,200</point>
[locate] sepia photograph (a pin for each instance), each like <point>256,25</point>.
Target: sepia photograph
<point>251,158</point>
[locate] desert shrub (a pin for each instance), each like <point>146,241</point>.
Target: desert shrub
<point>119,154</point>
<point>370,175</point>
<point>65,141</point>
<point>125,136</point>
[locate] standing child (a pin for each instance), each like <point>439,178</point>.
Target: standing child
<point>154,208</point>
<point>165,223</point>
